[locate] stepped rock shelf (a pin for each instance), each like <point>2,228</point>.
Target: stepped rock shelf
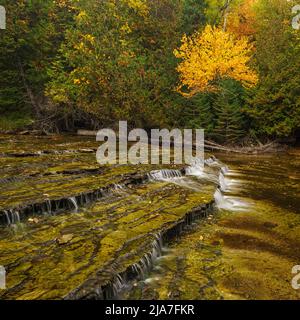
<point>85,232</point>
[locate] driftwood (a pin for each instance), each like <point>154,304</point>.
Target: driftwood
<point>244,150</point>
<point>88,133</point>
<point>210,145</point>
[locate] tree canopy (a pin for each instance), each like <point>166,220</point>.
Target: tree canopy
<point>88,64</point>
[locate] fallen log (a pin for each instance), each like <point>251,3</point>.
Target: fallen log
<point>242,150</point>
<point>88,133</point>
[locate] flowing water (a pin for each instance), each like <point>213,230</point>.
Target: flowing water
<point>247,250</point>
<point>72,229</point>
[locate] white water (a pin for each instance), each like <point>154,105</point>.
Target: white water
<point>74,203</point>
<point>222,195</point>
<point>196,169</point>
<point>12,217</point>
<point>48,202</point>
<point>145,265</point>
<point>224,184</point>
<point>222,178</point>
<point>118,187</point>
<point>164,175</point>
<point>118,284</point>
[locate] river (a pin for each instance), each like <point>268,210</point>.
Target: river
<point>71,229</point>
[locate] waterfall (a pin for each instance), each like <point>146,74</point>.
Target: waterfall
<point>74,203</point>
<point>48,203</point>
<point>228,202</point>
<point>164,175</point>
<point>212,161</point>
<point>222,181</point>
<point>195,169</point>
<point>225,170</point>
<point>118,187</point>
<point>12,217</point>
<point>144,266</point>
<point>118,285</point>
<point>219,199</point>
<point>7,217</point>
<point>16,217</point>
<point>176,177</point>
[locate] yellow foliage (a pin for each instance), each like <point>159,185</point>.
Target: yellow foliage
<point>81,15</point>
<point>139,5</point>
<point>211,56</point>
<point>125,28</point>
<point>90,38</point>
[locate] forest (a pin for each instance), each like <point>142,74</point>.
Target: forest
<point>230,67</point>
<point>91,208</point>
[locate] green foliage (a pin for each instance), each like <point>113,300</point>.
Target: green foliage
<point>117,62</point>
<point>11,121</point>
<point>28,45</point>
<point>82,63</point>
<point>221,113</point>
<point>193,16</point>
<point>275,105</point>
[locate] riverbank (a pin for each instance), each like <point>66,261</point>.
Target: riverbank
<point>250,148</point>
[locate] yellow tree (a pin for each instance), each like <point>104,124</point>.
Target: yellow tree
<point>210,56</point>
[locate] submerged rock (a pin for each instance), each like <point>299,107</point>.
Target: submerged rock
<point>65,239</point>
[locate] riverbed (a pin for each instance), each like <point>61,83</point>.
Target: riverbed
<point>248,248</point>
<point>71,229</point>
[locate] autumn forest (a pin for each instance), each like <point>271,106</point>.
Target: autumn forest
<point>230,67</point>
<point>93,209</point>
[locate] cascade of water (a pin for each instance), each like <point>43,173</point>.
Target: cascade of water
<point>225,170</point>
<point>222,182</point>
<point>219,198</point>
<point>7,217</point>
<point>16,217</point>
<point>144,266</point>
<point>74,203</point>
<point>118,284</point>
<point>195,169</point>
<point>118,187</point>
<point>212,161</point>
<point>231,203</point>
<point>137,269</point>
<point>157,248</point>
<point>49,209</point>
<point>164,175</point>
<point>12,217</point>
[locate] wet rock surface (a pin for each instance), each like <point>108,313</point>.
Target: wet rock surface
<point>247,250</point>
<point>74,227</point>
<point>71,229</point>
